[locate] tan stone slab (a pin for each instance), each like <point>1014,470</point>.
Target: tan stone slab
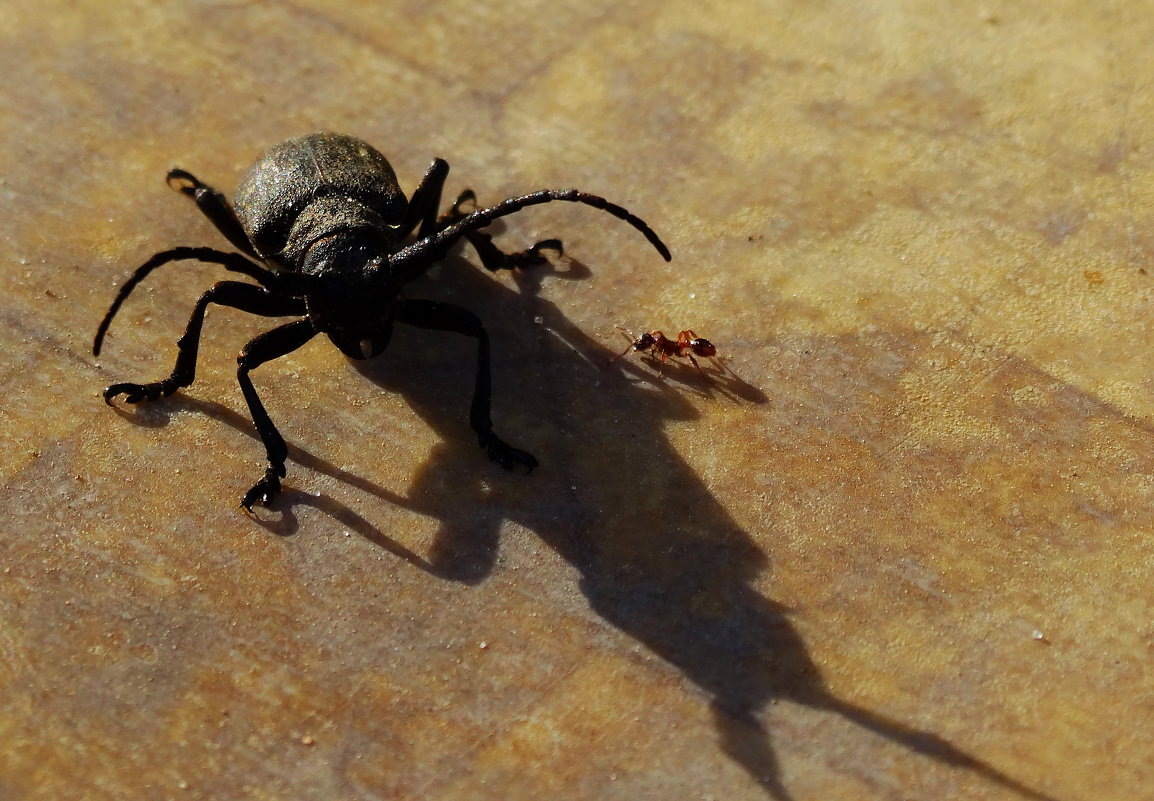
<point>899,546</point>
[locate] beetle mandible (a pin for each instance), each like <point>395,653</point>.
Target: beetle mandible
<point>321,225</point>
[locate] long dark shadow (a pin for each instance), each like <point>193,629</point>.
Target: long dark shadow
<point>658,557</point>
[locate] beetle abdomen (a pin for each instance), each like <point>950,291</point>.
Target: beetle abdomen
<point>275,191</point>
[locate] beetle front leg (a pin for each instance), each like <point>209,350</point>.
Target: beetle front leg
<point>426,200</point>
<point>446,317</point>
<point>213,205</point>
<point>266,347</point>
<point>492,257</point>
<point>422,211</point>
<point>234,294</point>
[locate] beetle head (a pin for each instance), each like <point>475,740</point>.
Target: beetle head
<point>353,297</point>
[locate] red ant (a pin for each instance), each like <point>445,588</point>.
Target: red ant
<point>687,344</point>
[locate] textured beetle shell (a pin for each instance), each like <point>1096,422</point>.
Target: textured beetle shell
<point>275,192</point>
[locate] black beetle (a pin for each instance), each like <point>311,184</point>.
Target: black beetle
<point>326,217</point>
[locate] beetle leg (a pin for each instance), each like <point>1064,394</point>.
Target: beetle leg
<point>266,347</point>
<point>446,317</point>
<point>422,211</point>
<point>214,206</point>
<point>467,198</point>
<point>410,262</point>
<point>492,257</point>
<point>426,200</point>
<point>230,261</point>
<point>234,294</point>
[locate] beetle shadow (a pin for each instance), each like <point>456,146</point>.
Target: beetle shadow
<point>285,524</point>
<point>658,557</point>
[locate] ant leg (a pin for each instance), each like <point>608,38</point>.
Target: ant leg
<point>632,347</point>
<point>234,294</point>
<point>636,343</point>
<point>492,257</point>
<point>446,317</point>
<point>698,366</point>
<point>425,201</point>
<point>266,347</point>
<point>686,341</point>
<point>214,206</point>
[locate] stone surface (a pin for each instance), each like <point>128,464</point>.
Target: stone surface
<point>899,547</point>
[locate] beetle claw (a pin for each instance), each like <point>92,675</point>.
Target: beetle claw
<point>263,491</point>
<point>532,257</point>
<point>133,393</point>
<point>548,244</point>
<point>183,181</point>
<point>467,198</point>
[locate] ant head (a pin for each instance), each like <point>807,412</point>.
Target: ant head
<point>702,347</point>
<point>644,342</point>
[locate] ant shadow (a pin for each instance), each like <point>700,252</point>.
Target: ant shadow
<point>659,559</point>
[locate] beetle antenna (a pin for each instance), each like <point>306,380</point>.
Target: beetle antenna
<point>231,261</point>
<point>421,252</point>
